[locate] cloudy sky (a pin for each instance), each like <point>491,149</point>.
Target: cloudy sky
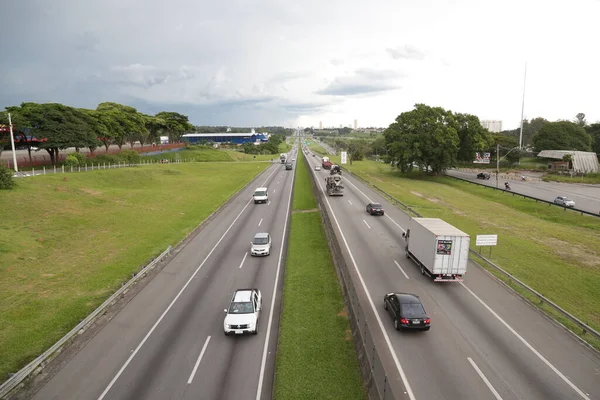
<point>295,63</point>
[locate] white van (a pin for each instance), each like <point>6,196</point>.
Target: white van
<point>261,195</point>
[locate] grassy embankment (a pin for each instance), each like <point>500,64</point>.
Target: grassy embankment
<point>69,240</point>
<point>589,178</point>
<point>554,251</point>
<point>203,154</point>
<point>316,358</point>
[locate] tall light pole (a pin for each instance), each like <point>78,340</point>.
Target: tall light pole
<point>523,109</point>
<point>12,142</point>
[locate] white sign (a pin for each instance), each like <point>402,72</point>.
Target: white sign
<point>482,160</point>
<point>344,157</point>
<point>486,240</point>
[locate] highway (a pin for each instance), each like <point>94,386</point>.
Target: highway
<point>586,197</point>
<point>168,341</point>
<point>484,343</point>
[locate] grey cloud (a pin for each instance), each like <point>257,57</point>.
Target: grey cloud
<point>406,52</point>
<point>305,107</point>
<point>283,77</point>
<point>145,76</point>
<point>363,81</point>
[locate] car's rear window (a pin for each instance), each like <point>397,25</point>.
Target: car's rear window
<point>261,240</point>
<point>410,310</point>
<point>260,193</point>
<point>376,205</point>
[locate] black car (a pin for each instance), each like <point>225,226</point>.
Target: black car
<point>288,166</point>
<point>483,175</point>
<point>375,209</point>
<point>407,311</point>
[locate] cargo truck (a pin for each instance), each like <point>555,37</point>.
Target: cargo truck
<point>282,157</point>
<point>439,249</point>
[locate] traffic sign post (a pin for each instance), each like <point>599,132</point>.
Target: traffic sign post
<point>486,240</point>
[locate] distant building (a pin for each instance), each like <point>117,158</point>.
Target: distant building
<point>235,138</point>
<point>355,124</point>
<point>320,124</point>
<point>492,126</point>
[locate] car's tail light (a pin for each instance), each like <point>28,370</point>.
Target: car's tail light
<point>403,321</point>
<point>427,320</point>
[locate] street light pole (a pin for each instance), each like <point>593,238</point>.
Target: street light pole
<point>12,142</point>
<point>523,110</point>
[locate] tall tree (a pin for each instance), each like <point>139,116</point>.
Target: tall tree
<point>426,136</point>
<point>177,124</point>
<point>580,119</point>
<point>473,137</point>
<point>594,131</point>
<point>562,135</point>
<point>130,122</point>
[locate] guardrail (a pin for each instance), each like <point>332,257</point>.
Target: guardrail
<point>528,197</point>
<point>34,366</point>
<point>585,328</point>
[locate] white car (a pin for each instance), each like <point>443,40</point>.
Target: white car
<point>261,195</point>
<point>243,312</point>
<point>564,201</point>
<point>261,244</point>
<point>317,167</point>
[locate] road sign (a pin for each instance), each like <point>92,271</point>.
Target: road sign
<point>344,155</point>
<point>486,240</point>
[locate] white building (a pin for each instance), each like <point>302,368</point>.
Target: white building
<point>492,126</point>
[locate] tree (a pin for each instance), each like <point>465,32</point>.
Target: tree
<point>562,135</point>
<point>580,119</point>
<point>530,128</point>
<point>426,136</point>
<point>379,146</point>
<point>594,131</point>
<point>473,137</point>
<point>128,125</point>
<point>176,124</point>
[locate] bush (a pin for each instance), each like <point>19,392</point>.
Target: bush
<point>103,158</point>
<point>71,161</point>
<point>130,156</point>
<point>6,178</point>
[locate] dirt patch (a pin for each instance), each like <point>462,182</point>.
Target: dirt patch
<point>570,251</point>
<point>348,335</point>
<point>47,275</point>
<point>416,193</point>
<point>343,313</point>
<point>433,200</point>
<point>305,211</point>
<point>373,177</point>
<point>90,191</point>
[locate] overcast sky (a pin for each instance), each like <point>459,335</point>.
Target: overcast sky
<point>272,62</point>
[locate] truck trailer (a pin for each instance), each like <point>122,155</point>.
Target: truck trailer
<point>282,157</point>
<point>439,249</point>
<point>334,185</point>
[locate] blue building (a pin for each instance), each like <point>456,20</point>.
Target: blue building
<point>226,137</point>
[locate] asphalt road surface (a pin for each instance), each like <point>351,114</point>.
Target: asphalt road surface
<point>586,197</point>
<point>485,342</point>
<point>168,341</point>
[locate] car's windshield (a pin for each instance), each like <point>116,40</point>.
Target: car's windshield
<point>260,193</point>
<point>241,308</point>
<point>566,199</point>
<point>261,240</point>
<point>412,310</point>
<point>376,205</point>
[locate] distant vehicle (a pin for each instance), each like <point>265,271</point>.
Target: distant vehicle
<point>293,159</point>
<point>282,157</point>
<point>317,167</point>
<point>375,209</point>
<point>288,165</point>
<point>326,165</point>
<point>564,201</point>
<point>438,248</point>
<point>407,311</point>
<point>243,313</point>
<point>261,195</point>
<point>261,244</point>
<point>483,175</point>
<point>335,169</point>
<point>313,155</point>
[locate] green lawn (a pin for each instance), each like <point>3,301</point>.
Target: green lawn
<point>317,148</point>
<point>554,251</point>
<point>68,241</point>
<point>204,154</point>
<point>316,358</point>
<point>589,178</point>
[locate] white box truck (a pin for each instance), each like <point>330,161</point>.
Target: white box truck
<point>438,248</point>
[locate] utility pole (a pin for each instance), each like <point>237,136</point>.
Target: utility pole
<point>522,110</point>
<point>12,142</point>
<point>497,163</point>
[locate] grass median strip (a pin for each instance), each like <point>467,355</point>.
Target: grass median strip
<point>68,241</point>
<point>552,250</point>
<point>316,358</point>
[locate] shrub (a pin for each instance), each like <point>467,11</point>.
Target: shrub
<point>6,178</point>
<point>130,156</point>
<point>71,161</point>
<point>103,158</point>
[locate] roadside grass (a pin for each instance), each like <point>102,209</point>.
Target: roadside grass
<point>552,250</point>
<point>316,358</point>
<point>317,148</point>
<point>68,241</point>
<point>204,154</point>
<point>589,178</point>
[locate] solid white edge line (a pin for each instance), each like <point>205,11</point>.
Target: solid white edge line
<point>132,355</point>
<point>530,347</point>
<point>366,223</point>
<point>243,259</point>
<point>484,379</point>
<point>385,335</point>
<point>198,361</point>
<point>400,268</point>
<point>268,336</point>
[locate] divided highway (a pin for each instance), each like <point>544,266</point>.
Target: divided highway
<point>484,342</point>
<point>168,341</point>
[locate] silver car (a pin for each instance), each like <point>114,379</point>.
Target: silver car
<point>564,201</point>
<point>261,244</point>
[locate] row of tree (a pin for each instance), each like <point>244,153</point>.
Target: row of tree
<point>437,138</point>
<point>53,126</point>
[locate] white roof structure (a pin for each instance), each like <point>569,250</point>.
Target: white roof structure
<point>583,161</point>
<point>223,134</point>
